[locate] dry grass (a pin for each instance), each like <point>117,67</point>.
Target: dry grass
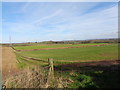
<point>34,78</point>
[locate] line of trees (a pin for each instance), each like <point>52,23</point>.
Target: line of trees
<point>83,41</point>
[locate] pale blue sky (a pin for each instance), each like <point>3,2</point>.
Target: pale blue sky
<point>40,21</point>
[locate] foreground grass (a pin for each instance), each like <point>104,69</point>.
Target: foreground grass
<point>33,78</point>
<point>85,54</point>
<point>97,76</point>
<point>54,46</point>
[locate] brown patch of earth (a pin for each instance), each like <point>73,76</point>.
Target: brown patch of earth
<point>0,60</point>
<point>105,62</point>
<point>99,64</point>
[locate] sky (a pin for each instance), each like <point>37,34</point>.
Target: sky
<point>44,21</point>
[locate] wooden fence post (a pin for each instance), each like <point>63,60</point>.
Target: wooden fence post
<point>50,79</point>
<point>51,69</point>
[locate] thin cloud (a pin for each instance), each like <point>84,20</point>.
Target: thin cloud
<point>48,17</point>
<point>25,7</point>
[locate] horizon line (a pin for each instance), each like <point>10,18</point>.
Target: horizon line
<point>58,40</point>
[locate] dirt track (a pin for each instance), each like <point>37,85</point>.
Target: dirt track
<point>8,62</point>
<point>0,60</point>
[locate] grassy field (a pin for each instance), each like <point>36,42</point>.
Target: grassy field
<point>99,67</point>
<point>84,54</point>
<point>54,46</point>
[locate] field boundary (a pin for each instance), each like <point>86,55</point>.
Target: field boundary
<point>58,48</point>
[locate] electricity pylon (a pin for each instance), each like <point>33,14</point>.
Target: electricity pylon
<point>10,44</point>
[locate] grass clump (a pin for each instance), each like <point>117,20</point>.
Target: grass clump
<point>79,80</point>
<point>83,81</point>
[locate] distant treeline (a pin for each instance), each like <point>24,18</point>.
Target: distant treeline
<point>83,41</point>
<point>66,42</point>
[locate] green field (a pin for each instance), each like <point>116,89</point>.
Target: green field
<point>107,52</point>
<point>54,46</point>
<point>98,76</point>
